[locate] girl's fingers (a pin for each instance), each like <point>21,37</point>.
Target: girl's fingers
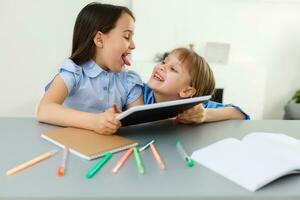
<point>114,125</point>
<point>116,122</point>
<point>116,108</point>
<point>110,127</point>
<point>191,119</point>
<point>112,119</point>
<point>191,116</point>
<point>196,109</point>
<point>184,121</point>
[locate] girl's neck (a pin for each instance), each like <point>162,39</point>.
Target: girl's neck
<point>98,61</point>
<point>161,98</point>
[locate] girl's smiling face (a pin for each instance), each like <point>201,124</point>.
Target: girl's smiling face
<point>116,45</point>
<point>170,78</point>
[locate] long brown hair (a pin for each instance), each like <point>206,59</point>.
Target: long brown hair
<point>92,18</point>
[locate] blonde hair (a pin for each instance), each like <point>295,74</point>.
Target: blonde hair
<point>202,77</point>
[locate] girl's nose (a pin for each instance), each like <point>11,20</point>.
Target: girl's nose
<point>132,45</point>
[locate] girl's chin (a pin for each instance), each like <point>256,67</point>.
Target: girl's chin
<point>151,83</point>
<point>154,85</point>
<point>117,68</point>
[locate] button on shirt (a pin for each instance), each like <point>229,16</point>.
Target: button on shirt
<point>149,99</point>
<point>92,89</point>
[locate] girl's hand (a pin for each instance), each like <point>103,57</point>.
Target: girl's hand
<point>196,114</point>
<point>106,122</point>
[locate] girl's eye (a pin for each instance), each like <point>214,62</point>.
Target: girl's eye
<point>163,62</point>
<point>173,69</point>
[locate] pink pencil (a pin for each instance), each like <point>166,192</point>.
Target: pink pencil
<point>157,157</point>
<point>122,161</point>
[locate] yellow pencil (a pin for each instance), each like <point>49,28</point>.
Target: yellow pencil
<point>30,163</point>
<point>157,157</point>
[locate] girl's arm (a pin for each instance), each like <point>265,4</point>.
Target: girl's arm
<point>138,102</point>
<point>225,113</point>
<point>50,110</point>
<point>198,114</point>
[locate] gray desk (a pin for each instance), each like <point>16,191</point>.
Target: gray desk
<point>20,141</point>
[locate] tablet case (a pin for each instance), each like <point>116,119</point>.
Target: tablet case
<point>158,111</point>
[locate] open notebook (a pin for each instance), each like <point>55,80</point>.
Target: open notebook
<point>87,144</point>
<point>258,159</point>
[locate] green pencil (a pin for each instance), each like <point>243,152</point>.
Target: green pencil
<point>138,160</point>
<point>184,155</point>
<point>94,170</point>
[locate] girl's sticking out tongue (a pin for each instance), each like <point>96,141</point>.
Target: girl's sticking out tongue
<point>125,60</point>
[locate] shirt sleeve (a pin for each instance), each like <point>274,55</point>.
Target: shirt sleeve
<point>246,116</point>
<point>70,73</point>
<point>68,78</point>
<point>212,104</point>
<point>134,86</point>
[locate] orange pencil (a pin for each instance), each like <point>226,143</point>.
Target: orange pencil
<point>30,162</point>
<point>157,157</point>
<point>62,167</point>
<point>122,161</point>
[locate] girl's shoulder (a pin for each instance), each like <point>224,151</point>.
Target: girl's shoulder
<point>88,69</point>
<point>71,73</point>
<point>130,77</point>
<point>70,66</point>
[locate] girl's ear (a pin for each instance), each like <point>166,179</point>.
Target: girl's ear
<point>187,92</point>
<point>98,39</point>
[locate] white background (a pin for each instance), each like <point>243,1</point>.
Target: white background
<point>262,73</point>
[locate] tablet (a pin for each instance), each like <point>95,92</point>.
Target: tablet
<point>158,111</point>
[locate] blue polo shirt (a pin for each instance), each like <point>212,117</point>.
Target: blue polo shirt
<point>149,99</point>
<point>92,89</point>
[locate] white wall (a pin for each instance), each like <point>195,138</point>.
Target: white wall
<point>280,53</point>
<point>264,64</point>
<point>36,37</point>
